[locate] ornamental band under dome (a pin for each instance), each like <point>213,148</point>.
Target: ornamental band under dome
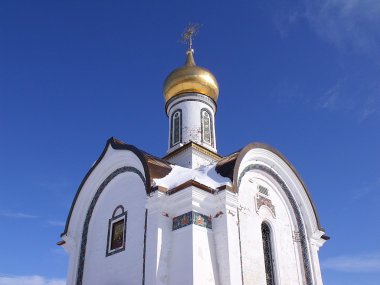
<point>192,217</point>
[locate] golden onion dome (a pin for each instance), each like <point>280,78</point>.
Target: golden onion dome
<point>191,78</point>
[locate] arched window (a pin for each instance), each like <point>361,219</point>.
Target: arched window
<point>117,226</point>
<point>176,128</point>
<point>206,124</point>
<point>268,253</point>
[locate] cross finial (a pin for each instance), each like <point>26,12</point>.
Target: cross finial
<point>189,33</point>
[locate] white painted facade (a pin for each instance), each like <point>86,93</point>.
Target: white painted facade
<point>230,251</point>
<point>194,218</point>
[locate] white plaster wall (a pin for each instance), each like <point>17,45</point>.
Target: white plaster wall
<point>124,267</point>
<point>286,259</point>
<point>112,160</point>
<point>283,225</point>
<point>204,263</point>
<point>181,258</point>
<point>191,119</point>
<point>226,235</point>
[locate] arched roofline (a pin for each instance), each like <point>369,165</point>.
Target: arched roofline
<point>115,144</point>
<point>238,158</point>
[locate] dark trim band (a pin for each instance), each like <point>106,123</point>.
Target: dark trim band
<point>144,251</point>
<point>184,95</point>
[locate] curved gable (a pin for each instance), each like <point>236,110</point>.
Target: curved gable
<point>148,162</point>
<point>230,167</point>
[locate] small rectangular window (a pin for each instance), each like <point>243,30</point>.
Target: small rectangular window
<point>117,227</point>
<point>117,239</point>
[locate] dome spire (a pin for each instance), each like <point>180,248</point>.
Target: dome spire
<point>190,58</point>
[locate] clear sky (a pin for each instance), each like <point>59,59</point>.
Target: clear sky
<point>302,76</point>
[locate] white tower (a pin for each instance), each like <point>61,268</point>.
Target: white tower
<point>191,93</point>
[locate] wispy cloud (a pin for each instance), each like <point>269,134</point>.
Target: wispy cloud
<point>17,215</point>
<point>58,250</point>
<point>352,27</point>
<point>353,263</point>
<point>349,24</point>
<point>56,223</point>
<point>29,280</point>
<point>360,98</point>
<point>366,190</point>
<point>331,99</point>
<point>371,106</point>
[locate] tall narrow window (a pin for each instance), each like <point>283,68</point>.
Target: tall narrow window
<point>268,254</point>
<point>176,126</point>
<point>206,127</point>
<point>116,231</point>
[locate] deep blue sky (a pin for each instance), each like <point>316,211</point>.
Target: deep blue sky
<point>302,76</point>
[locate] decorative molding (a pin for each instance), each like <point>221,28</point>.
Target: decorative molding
<point>297,213</point>
<point>195,146</point>
<point>264,201</point>
<point>182,98</point>
<point>82,254</point>
<point>191,183</point>
<point>296,236</point>
<point>263,190</point>
<point>192,218</point>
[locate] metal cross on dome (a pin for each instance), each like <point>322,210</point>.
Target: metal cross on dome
<point>189,33</point>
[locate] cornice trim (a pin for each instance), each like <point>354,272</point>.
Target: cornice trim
<point>195,146</point>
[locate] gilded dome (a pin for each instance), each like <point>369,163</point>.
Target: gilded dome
<point>191,78</point>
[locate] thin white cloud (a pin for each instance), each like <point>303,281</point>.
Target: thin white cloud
<point>353,263</point>
<point>337,98</point>
<point>330,99</point>
<point>29,280</point>
<point>56,223</point>
<point>17,215</point>
<point>349,24</point>
<point>58,250</point>
<point>358,98</point>
<point>371,106</point>
<point>366,190</point>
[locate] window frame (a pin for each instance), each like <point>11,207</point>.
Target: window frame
<point>211,143</point>
<point>115,219</point>
<point>268,252</point>
<point>172,128</point>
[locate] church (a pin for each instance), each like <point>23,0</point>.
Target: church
<point>192,217</point>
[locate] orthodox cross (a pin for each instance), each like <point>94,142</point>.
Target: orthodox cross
<point>189,33</point>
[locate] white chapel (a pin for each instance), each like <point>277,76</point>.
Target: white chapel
<point>192,217</point>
